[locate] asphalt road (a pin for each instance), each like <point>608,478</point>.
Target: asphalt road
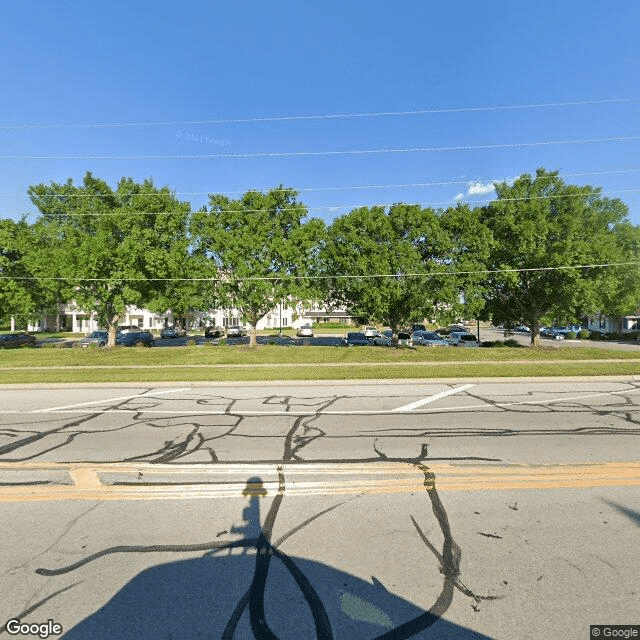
<point>501,510</point>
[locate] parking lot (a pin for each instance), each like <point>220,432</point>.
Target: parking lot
<point>334,340</point>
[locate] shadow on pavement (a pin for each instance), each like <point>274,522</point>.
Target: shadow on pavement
<point>210,597</point>
<point>250,589</point>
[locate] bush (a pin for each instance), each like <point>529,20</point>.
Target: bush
<point>492,343</point>
<point>332,325</point>
<point>584,334</point>
<point>571,335</point>
<point>511,342</point>
<point>597,335</point>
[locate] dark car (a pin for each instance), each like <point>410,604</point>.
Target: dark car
<point>418,327</point>
<point>173,332</point>
<point>355,340</point>
<point>15,340</point>
<point>135,338</point>
<point>212,332</point>
<point>552,332</point>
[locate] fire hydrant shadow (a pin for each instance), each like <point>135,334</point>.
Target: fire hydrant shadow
<point>248,589</point>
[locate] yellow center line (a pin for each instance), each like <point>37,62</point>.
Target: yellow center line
<point>91,481</point>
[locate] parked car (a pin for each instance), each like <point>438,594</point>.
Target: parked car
<point>384,339</point>
<point>463,339</point>
<point>370,332</point>
<point>173,332</point>
<point>213,332</point>
<point>95,339</point>
<point>572,328</point>
<point>404,339</point>
<point>552,332</point>
<point>456,327</point>
<point>236,331</point>
<point>305,332</point>
<point>522,328</point>
<point>15,340</point>
<point>128,328</point>
<point>134,338</point>
<point>418,327</point>
<point>355,339</point>
<point>428,339</point>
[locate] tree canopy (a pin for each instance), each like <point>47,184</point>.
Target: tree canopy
<point>114,247</point>
<point>263,248</point>
<point>370,260</point>
<point>542,251</point>
<point>20,295</point>
<point>543,231</point>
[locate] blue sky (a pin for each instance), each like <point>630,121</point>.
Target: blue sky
<point>130,63</point>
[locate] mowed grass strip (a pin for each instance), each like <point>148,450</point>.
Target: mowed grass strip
<point>286,355</point>
<point>311,371</point>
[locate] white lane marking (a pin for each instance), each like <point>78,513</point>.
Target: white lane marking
<point>346,412</point>
<point>437,396</point>
<point>84,404</point>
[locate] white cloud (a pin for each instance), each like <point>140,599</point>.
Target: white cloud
<point>459,197</point>
<point>478,188</point>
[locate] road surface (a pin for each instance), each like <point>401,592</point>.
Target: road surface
<point>489,510</point>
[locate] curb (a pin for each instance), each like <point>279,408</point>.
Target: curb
<point>308,383</point>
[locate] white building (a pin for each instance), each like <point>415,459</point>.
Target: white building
<point>80,321</point>
<point>614,324</point>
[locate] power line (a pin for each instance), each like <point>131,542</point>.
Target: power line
<point>332,116</point>
<point>350,187</point>
<point>297,154</point>
<point>124,212</point>
<point>433,274</point>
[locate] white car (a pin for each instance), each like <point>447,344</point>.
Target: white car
<point>236,331</point>
<point>305,332</point>
<point>370,332</point>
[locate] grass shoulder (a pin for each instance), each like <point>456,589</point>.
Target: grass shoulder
<point>293,355</point>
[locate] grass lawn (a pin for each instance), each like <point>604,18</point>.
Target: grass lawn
<point>273,362</point>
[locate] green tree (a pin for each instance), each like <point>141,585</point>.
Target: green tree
<point>459,243</point>
<point>114,247</point>
<point>371,258</point>
<point>263,248</point>
<point>543,229</point>
<point>19,294</point>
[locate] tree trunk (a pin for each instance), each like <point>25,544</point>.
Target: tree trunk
<point>252,332</point>
<point>113,327</point>
<point>535,332</point>
<point>394,337</point>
